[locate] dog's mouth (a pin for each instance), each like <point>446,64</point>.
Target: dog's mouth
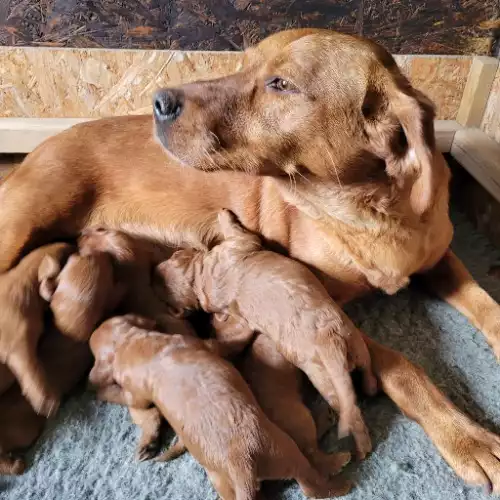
<point>201,150</point>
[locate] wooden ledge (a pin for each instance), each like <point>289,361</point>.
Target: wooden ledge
<point>480,156</point>
<point>22,135</point>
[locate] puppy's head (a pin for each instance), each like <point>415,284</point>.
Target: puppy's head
<point>118,244</point>
<point>174,282</point>
<point>114,331</point>
<point>315,105</point>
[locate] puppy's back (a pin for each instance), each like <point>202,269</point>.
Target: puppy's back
<point>85,291</point>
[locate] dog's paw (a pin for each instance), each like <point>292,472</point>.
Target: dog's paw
<point>472,452</point>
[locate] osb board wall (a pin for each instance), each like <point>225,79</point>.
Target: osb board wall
<point>71,83</point>
<point>491,117</point>
<point>404,27</point>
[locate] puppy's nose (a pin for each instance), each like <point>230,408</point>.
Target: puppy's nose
<point>168,104</point>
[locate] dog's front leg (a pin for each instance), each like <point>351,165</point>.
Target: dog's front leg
<point>473,452</point>
<point>451,281</point>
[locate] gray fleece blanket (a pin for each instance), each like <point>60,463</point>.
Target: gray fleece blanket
<point>87,451</point>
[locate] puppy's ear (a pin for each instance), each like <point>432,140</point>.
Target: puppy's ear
<point>177,312</point>
<point>47,272</point>
<point>140,321</point>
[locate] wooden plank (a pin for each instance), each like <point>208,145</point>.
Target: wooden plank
<point>22,135</point>
<point>69,83</point>
<point>491,117</point>
<point>477,90</point>
<point>480,156</point>
<point>445,133</point>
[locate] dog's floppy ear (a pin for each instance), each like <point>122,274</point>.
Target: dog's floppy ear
<point>415,113</point>
<point>399,121</point>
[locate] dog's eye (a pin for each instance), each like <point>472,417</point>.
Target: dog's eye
<point>281,85</point>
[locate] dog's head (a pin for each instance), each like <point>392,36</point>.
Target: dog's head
<point>315,105</point>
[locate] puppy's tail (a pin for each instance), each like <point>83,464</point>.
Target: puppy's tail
<point>333,354</point>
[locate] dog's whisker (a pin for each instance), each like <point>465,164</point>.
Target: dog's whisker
<point>334,167</point>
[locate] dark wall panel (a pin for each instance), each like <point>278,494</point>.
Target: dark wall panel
<point>432,26</point>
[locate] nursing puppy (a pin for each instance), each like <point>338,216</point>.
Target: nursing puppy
<point>208,404</point>
<point>81,293</point>
<point>277,385</point>
<point>134,260</point>
<point>22,324</point>
<point>65,363</point>
<point>279,297</point>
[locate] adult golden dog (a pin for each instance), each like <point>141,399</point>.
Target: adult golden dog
<point>322,147</point>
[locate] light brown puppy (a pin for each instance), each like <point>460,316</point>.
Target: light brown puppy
<point>134,260</point>
<point>279,297</point>
<point>22,324</point>
<point>208,404</point>
<point>356,189</point>
<point>81,293</point>
<point>277,385</point>
<point>64,362</point>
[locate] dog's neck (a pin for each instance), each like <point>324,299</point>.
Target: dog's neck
<point>362,207</point>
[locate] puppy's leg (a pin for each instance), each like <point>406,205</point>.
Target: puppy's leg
<point>175,450</point>
<point>282,459</point>
<point>232,230</point>
<point>358,352</point>
<point>150,423</point>
<point>296,420</point>
<point>232,333</point>
<point>47,272</point>
<point>224,487</point>
<point>101,374</point>
<point>332,351</point>
<point>32,378</point>
<point>115,394</point>
<point>318,376</point>
<point>473,452</point>
<point>451,281</point>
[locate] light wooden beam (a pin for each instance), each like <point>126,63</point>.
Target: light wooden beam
<point>477,90</point>
<point>480,156</point>
<point>22,135</point>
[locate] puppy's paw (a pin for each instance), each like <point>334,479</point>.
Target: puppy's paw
<point>12,466</point>
<point>147,451</point>
<point>334,487</point>
<point>339,486</point>
<point>330,464</point>
<point>47,406</point>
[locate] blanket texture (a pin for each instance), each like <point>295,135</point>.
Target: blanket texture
<point>86,453</point>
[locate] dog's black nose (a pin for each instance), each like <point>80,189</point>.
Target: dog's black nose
<point>168,104</point>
